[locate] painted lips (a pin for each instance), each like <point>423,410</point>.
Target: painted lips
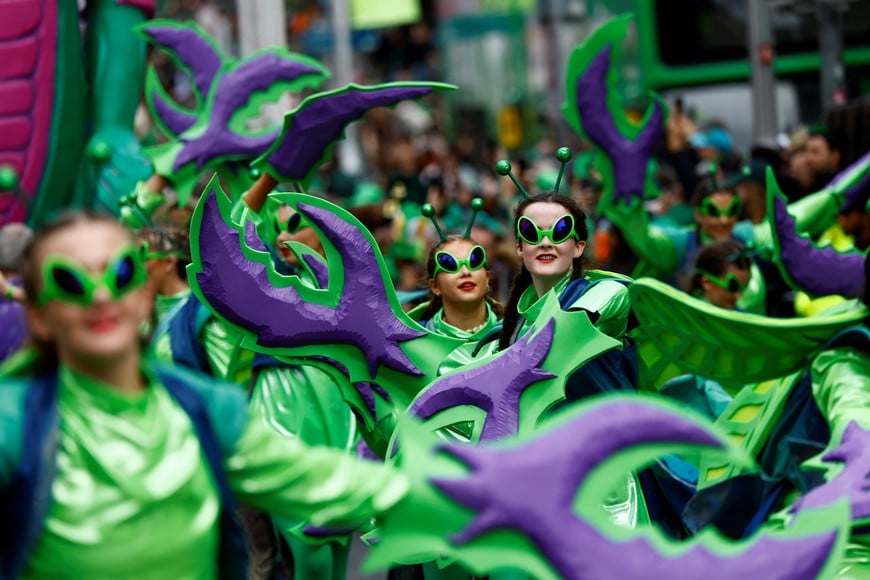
<point>467,286</point>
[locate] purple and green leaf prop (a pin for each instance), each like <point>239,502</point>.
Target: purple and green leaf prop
<point>534,504</point>
<point>229,95</point>
<point>592,108</point>
<point>678,334</point>
<point>853,185</point>
<point>820,271</point>
<point>507,393</point>
<point>355,319</point>
<point>312,129</point>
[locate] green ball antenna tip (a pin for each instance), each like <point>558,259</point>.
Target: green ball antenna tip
<point>477,204</point>
<point>427,210</point>
<point>8,178</point>
<point>563,154</point>
<point>254,173</point>
<point>99,151</point>
<point>503,167</point>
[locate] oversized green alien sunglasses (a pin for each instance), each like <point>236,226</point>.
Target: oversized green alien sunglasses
<point>709,208</point>
<point>562,230</point>
<point>66,281</point>
<point>447,262</point>
<point>730,282</point>
<point>293,224</point>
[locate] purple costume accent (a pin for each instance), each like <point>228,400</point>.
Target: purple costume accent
<point>629,158</point>
<point>551,467</point>
<point>853,482</point>
<point>175,120</point>
<point>855,196</point>
<point>318,268</point>
<point>367,394</point>
<point>819,271</point>
<point>192,49</point>
<point>495,387</point>
<point>321,120</point>
<point>13,327</point>
<point>233,90</point>
<point>280,317</point>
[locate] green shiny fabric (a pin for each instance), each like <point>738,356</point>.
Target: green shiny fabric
<point>226,357</point>
<point>132,497</point>
<point>462,355</point>
<point>608,298</point>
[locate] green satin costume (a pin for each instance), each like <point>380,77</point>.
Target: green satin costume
<point>133,496</point>
<point>305,402</point>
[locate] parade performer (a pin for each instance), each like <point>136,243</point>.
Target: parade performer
<point>90,424</point>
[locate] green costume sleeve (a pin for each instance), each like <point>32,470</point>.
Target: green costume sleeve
<point>226,358</point>
<point>285,477</point>
<point>841,387</point>
<point>612,303</point>
<point>658,252</point>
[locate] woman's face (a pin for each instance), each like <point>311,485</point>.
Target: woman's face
<point>466,287</point>
<point>548,262</point>
<point>105,331</point>
<point>304,234</point>
<point>716,295</point>
<point>717,215</point>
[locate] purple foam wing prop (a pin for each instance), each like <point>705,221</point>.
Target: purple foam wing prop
<point>311,130</point>
<point>494,387</point>
<point>852,482</point>
<point>629,157</point>
<point>13,327</point>
<point>192,48</point>
<point>854,181</point>
<point>531,487</point>
<point>819,271</point>
<point>232,91</point>
<point>241,291</point>
<point>588,109</point>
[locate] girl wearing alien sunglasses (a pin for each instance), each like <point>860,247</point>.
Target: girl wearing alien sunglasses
<point>722,272</point>
<point>112,465</point>
<point>551,237</point>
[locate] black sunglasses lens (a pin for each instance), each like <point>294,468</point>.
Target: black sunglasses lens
<point>476,258</point>
<point>563,229</point>
<point>67,281</point>
<point>447,262</point>
<point>125,270</point>
<point>294,223</point>
<point>528,231</point>
<point>733,285</point>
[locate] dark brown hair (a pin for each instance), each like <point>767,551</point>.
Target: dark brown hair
<point>523,279</point>
<point>715,258</point>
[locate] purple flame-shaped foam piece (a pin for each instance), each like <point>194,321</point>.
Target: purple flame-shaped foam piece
<point>175,120</point>
<point>233,91</point>
<point>855,194</point>
<point>819,271</point>
<point>629,158</point>
<point>280,317</point>
<point>531,488</point>
<point>495,387</point>
<point>322,120</point>
<point>853,482</point>
<point>318,268</point>
<point>193,50</point>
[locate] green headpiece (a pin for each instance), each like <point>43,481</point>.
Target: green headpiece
<point>428,211</point>
<point>503,167</point>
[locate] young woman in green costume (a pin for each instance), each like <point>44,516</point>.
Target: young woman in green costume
<point>722,272</point>
<point>114,466</point>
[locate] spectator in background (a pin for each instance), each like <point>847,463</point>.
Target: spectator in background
<point>750,185</point>
<point>824,155</point>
